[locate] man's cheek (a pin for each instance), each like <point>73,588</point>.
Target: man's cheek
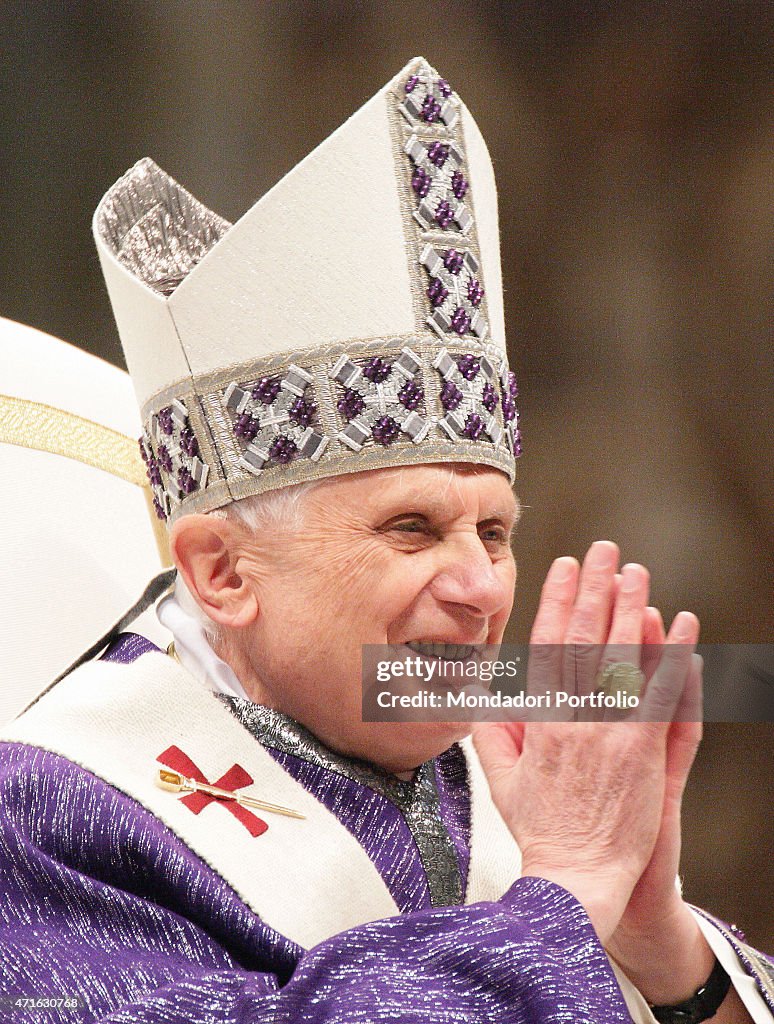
<point>359,582</point>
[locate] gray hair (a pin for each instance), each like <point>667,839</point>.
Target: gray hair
<point>283,507</point>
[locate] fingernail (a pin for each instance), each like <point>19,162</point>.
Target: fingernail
<point>562,569</point>
<point>604,553</point>
<point>630,578</point>
<point>683,626</point>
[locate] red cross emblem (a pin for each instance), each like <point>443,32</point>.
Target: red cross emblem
<point>235,778</point>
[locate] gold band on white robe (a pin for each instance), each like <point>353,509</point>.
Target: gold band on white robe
<point>44,428</point>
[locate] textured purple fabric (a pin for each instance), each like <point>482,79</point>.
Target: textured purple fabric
<point>101,901</point>
<point>375,822</point>
<point>128,647</point>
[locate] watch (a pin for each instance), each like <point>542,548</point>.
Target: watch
<point>702,1005</point>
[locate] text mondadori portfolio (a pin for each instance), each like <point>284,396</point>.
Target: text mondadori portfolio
<point>495,699</point>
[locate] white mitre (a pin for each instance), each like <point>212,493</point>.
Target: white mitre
<point>351,320</point>
<point>79,544</point>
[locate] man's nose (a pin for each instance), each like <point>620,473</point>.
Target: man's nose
<point>468,578</point>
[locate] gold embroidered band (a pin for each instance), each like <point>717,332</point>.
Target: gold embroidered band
<point>46,429</point>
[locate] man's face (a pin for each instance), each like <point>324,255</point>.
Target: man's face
<point>414,555</point>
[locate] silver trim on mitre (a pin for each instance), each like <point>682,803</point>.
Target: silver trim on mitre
<point>435,189</point>
<point>155,228</point>
<point>358,405</point>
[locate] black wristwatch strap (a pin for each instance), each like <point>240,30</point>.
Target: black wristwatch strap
<point>702,1005</point>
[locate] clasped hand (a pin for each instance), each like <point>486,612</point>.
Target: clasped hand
<point>595,805</point>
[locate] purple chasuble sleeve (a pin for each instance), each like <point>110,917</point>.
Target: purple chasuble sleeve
<point>101,901</point>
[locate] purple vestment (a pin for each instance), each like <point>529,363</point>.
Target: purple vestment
<point>99,900</point>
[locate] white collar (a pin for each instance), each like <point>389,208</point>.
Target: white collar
<point>194,651</point>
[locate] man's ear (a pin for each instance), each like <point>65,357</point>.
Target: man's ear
<point>206,550</point>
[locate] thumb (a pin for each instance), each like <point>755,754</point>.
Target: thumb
<point>685,731</point>
<point>498,745</point>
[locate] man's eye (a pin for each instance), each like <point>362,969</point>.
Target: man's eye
<point>494,535</point>
<point>410,526</point>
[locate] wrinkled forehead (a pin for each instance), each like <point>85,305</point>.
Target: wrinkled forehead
<point>443,487</point>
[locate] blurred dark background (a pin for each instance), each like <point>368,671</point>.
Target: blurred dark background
<point>634,149</point>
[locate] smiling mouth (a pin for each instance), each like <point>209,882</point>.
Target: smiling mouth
<point>446,652</point>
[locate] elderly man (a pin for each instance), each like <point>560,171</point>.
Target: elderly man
<point>331,435</point>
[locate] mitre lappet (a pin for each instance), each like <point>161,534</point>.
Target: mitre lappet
<point>351,320</point>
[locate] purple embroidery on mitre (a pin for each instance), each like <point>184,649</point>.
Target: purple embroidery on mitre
<point>380,399</point>
<point>440,185</point>
<point>246,426</point>
<point>428,99</point>
<point>437,293</point>
<point>451,396</point>
<point>468,397</point>
<point>351,404</point>
<point>166,425</point>
<point>154,473</point>
<point>377,370</point>
<point>438,176</point>
<point>274,419</point>
<point>455,292</point>
<point>385,430</point>
<point>170,451</point>
<point>469,366</point>
<point>459,184</point>
<point>431,109</point>
<point>302,411</point>
<point>410,395</point>
<point>460,321</point>
<point>510,394</point>
<point>489,397</point>
<point>188,442</point>
<point>474,426</point>
<point>437,153</point>
<point>421,182</point>
<point>453,261</point>
<point>266,390</point>
<point>164,458</point>
<point>444,214</point>
<point>185,481</point>
<point>475,292</point>
<point>510,391</point>
<point>282,449</point>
